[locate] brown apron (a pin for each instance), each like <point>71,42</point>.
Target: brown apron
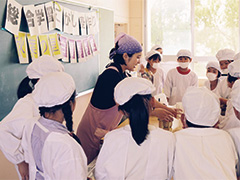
<point>94,125</point>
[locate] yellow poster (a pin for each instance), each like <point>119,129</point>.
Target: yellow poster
<point>55,45</point>
<point>33,46</point>
<point>44,44</point>
<point>21,44</point>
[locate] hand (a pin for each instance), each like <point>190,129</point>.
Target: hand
<point>175,111</point>
<point>23,170</point>
<point>162,114</point>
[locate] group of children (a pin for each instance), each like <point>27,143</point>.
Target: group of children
<point>37,135</point>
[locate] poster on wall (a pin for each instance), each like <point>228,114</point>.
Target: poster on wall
<point>87,47</point>
<point>72,50</point>
<point>83,24</point>
<point>92,23</point>
<point>50,15</point>
<point>93,44</point>
<point>41,19</point>
<point>29,12</point>
<point>13,17</point>
<point>33,46</point>
<point>21,44</point>
<point>81,54</point>
<point>58,12</point>
<point>64,48</point>
<point>67,20</point>
<point>55,46</point>
<point>75,23</point>
<point>44,44</point>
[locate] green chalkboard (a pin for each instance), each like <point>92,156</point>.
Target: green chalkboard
<point>11,72</point>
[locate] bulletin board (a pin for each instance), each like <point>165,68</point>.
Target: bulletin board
<point>85,73</point>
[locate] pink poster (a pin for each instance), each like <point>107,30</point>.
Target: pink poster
<point>72,50</point>
<point>80,51</point>
<point>87,47</point>
<point>64,48</point>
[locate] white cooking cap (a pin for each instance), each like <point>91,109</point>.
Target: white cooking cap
<point>201,106</point>
<point>184,52</point>
<point>235,95</point>
<point>225,54</point>
<point>236,57</point>
<point>130,86</point>
<point>234,69</point>
<point>43,65</point>
<point>151,53</point>
<point>53,89</point>
<point>214,64</point>
<point>156,47</point>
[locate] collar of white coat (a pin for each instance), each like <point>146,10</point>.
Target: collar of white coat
<point>150,127</point>
<point>199,131</point>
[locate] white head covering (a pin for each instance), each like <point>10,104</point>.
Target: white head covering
<point>225,54</point>
<point>235,95</point>
<point>234,69</point>
<point>43,65</point>
<point>184,52</point>
<point>236,57</point>
<point>130,86</point>
<point>151,53</point>
<point>156,47</point>
<point>201,106</point>
<point>53,89</point>
<point>214,64</point>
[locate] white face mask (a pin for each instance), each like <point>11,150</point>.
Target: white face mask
<point>211,76</point>
<point>155,65</point>
<point>183,64</point>
<point>225,71</point>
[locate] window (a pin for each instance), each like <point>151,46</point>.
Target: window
<point>202,26</point>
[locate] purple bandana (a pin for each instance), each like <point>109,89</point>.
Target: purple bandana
<point>127,44</point>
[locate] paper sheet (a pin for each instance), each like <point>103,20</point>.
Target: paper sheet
<point>33,46</point>
<point>75,23</point>
<point>83,24</point>
<point>21,44</point>
<point>44,44</point>
<point>29,12</point>
<point>80,51</point>
<point>55,46</point>
<point>13,17</point>
<point>58,13</point>
<point>72,50</point>
<point>50,15</point>
<point>67,28</point>
<point>41,18</point>
<point>93,44</point>
<point>92,23</point>
<point>87,47</point>
<point>64,48</point>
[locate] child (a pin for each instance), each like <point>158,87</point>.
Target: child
<point>180,78</point>
<point>229,120</point>
<point>153,72</point>
<point>225,57</point>
<point>157,48</point>
<point>51,150</point>
<point>138,150</point>
<point>11,127</point>
<point>203,152</point>
<point>213,74</point>
<point>234,132</point>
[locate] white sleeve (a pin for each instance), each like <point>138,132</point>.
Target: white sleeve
<point>195,80</point>
<point>168,85</point>
<point>63,158</point>
<point>11,130</point>
<point>171,153</point>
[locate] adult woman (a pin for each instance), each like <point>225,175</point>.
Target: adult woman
<point>136,150</point>
<point>102,113</point>
<point>11,127</point>
<point>51,151</point>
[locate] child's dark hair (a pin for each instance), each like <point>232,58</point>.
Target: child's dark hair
<point>189,124</point>
<point>137,109</point>
<point>118,58</point>
<point>25,88</point>
<point>67,111</point>
<point>154,57</point>
<point>231,79</point>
